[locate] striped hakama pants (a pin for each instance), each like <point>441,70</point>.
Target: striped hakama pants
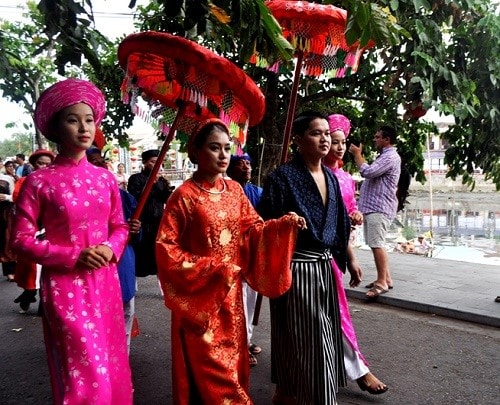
<point>306,337</point>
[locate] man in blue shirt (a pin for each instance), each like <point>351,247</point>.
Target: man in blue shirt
<point>22,169</point>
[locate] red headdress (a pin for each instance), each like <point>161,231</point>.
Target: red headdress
<point>41,152</point>
<point>191,147</point>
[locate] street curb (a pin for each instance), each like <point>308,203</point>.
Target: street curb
<point>428,308</point>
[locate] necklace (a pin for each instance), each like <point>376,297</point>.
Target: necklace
<point>210,191</point>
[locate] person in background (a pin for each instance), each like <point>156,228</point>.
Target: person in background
<point>121,176</point>
<point>378,202</point>
<point>7,258</point>
<point>355,363</point>
<point>306,337</point>
<point>80,208</point>
<point>240,170</point>
<point>421,245</point>
<point>151,214</point>
<point>126,265</point>
<point>22,168</point>
<point>10,170</point>
<point>27,274</point>
<point>210,239</point>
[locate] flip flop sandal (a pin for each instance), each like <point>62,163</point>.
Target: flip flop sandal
<point>253,360</point>
<point>254,349</point>
<point>372,284</point>
<point>375,291</point>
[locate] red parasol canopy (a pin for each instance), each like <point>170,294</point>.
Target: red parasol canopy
<point>170,71</point>
<point>317,32</point>
<point>185,83</point>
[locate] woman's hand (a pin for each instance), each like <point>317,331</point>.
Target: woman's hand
<point>299,221</point>
<point>95,257</point>
<point>356,218</point>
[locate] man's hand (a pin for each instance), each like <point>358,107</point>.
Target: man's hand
<point>134,226</point>
<point>355,272</point>
<point>357,152</point>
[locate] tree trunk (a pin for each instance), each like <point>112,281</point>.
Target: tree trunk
<point>270,130</point>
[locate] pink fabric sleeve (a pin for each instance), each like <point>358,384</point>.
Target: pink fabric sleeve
<point>23,234</point>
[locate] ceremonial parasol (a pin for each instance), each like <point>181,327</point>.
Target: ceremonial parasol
<point>185,83</point>
<point>317,33</point>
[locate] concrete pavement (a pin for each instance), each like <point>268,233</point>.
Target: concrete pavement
<point>424,359</point>
<point>449,288</point>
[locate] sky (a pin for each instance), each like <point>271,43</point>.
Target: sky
<point>112,17</point>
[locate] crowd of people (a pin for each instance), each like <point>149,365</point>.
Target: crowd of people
<point>215,243</point>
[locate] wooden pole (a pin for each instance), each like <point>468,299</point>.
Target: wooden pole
<point>291,107</point>
<point>284,150</point>
<point>156,167</point>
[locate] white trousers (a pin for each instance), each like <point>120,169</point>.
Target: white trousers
<point>249,300</point>
<point>129,312</point>
<point>354,366</point>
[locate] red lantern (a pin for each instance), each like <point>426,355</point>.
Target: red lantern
<point>415,110</point>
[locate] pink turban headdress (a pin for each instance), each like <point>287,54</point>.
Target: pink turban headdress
<point>65,94</point>
<point>340,122</point>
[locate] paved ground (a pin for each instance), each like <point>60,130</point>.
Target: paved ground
<point>449,288</point>
<point>424,357</point>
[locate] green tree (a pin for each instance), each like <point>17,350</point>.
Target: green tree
<point>24,72</point>
<point>19,142</point>
<point>440,54</point>
<point>34,52</point>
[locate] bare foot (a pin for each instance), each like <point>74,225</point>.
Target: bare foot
<point>372,384</point>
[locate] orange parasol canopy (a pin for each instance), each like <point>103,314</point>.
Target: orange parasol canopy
<point>185,83</point>
<point>169,71</point>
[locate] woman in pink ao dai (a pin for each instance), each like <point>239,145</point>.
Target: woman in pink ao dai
<point>80,207</point>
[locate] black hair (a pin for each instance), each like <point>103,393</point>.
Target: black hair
<point>148,154</point>
<point>302,121</point>
<point>21,156</point>
<point>202,135</point>
<point>389,132</point>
